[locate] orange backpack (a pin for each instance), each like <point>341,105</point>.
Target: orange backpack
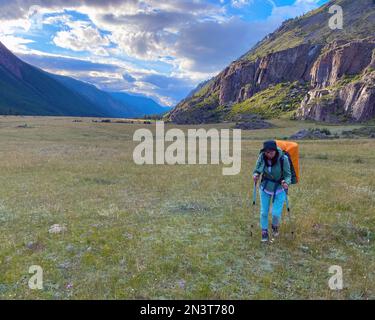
<point>291,150</point>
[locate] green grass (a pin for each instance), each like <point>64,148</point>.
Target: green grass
<point>177,231</point>
<point>345,80</point>
<point>275,101</point>
<point>200,108</point>
<point>285,40</point>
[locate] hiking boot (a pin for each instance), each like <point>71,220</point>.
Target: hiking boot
<point>265,235</point>
<point>275,231</point>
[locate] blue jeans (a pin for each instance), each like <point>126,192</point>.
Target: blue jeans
<point>277,208</point>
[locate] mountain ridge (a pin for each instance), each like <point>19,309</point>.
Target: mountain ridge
<point>28,90</point>
<point>280,65</point>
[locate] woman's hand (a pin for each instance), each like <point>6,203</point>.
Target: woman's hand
<point>284,185</point>
<point>256,178</point>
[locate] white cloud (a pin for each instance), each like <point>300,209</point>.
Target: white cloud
<point>15,44</point>
<point>53,20</point>
<point>241,3</point>
<point>82,37</point>
<point>300,7</point>
<point>10,26</point>
<point>309,2</point>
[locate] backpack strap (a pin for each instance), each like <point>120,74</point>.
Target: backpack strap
<point>276,182</point>
<point>266,178</point>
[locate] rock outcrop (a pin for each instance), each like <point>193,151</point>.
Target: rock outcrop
<point>343,84</point>
<point>242,79</point>
<point>251,122</point>
<point>253,125</point>
<point>306,134</point>
<point>341,59</point>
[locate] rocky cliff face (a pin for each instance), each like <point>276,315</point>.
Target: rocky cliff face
<point>340,77</point>
<point>343,84</point>
<point>336,68</point>
<point>243,79</point>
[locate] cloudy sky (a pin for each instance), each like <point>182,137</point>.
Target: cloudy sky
<point>158,48</point>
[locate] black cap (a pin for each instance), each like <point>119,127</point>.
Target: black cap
<point>269,145</point>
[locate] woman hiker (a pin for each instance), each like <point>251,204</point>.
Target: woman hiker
<point>273,187</point>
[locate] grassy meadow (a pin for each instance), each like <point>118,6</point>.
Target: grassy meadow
<point>182,231</point>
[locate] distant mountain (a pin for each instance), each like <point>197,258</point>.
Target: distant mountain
<point>124,105</point>
<point>96,96</point>
<point>143,105</point>
<point>303,70</point>
<point>27,90</point>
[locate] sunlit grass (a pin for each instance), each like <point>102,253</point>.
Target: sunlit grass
<point>177,231</point>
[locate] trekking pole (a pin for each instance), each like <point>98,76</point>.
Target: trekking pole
<point>288,208</point>
<point>254,193</point>
<point>287,201</point>
<point>254,200</point>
